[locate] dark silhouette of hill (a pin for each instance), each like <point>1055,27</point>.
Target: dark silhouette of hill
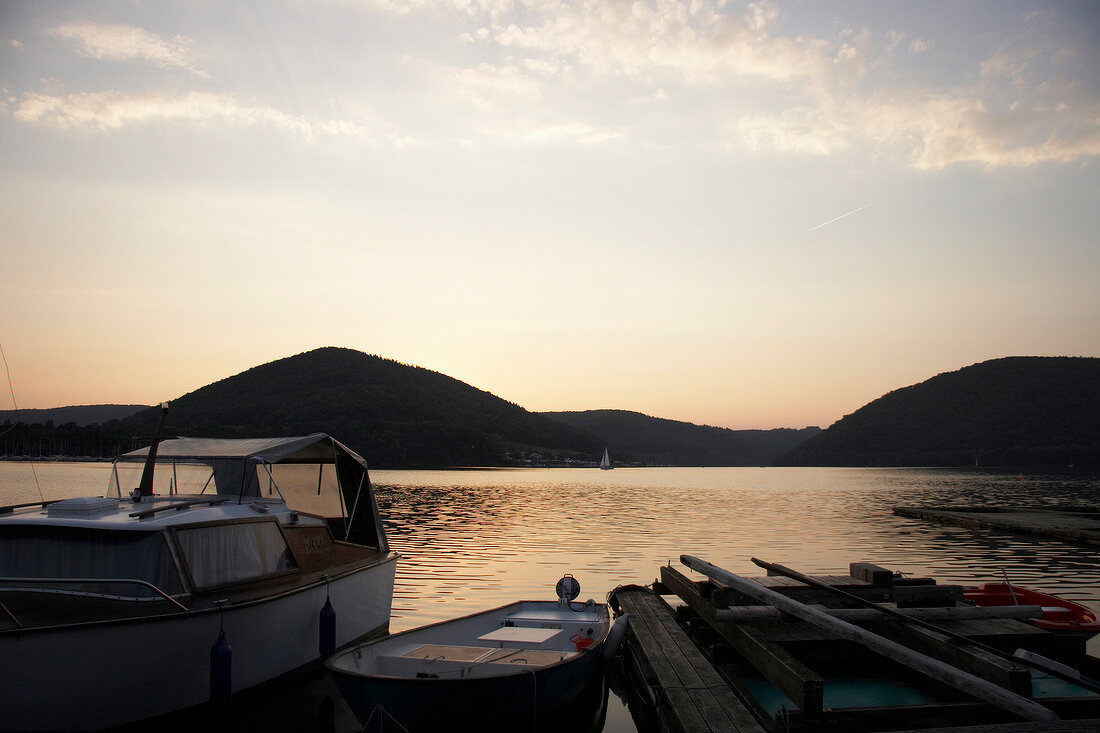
<point>78,414</point>
<point>393,414</point>
<point>1015,411</point>
<point>634,437</point>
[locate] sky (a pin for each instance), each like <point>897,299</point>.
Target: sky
<point>750,215</point>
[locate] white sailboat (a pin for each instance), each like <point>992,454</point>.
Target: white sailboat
<point>605,462</point>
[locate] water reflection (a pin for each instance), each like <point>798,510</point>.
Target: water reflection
<point>471,539</point>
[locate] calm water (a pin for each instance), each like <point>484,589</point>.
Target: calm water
<point>474,539</point>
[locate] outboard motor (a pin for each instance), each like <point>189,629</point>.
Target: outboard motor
<point>568,588</point>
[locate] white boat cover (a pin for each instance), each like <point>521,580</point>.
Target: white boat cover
<point>314,448</point>
<point>233,461</point>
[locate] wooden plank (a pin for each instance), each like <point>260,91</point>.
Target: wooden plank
<point>652,636</point>
<point>724,596</point>
<point>861,615</point>
<point>692,696</point>
<point>925,596</point>
<point>1069,726</point>
<point>804,688</point>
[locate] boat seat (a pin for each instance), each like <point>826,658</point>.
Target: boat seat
<point>450,661</point>
<point>447,651</point>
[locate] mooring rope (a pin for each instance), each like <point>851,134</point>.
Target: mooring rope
<point>381,722</point>
<point>16,406</point>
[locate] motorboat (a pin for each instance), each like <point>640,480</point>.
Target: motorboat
<point>503,669</point>
<point>235,562</point>
<point>1059,614</point>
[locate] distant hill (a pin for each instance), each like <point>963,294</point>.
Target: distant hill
<point>393,414</point>
<point>634,437</point>
<point>79,414</point>
<point>1016,411</point>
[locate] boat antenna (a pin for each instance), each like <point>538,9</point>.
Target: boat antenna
<point>145,488</point>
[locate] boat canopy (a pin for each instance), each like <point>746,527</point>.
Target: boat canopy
<point>314,474</point>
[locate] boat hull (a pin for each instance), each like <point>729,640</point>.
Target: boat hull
<point>513,702</point>
<point>502,669</point>
<point>97,675</point>
<point>1058,613</point>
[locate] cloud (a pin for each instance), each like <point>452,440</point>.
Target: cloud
<point>940,130</point>
<point>575,131</point>
<point>109,111</point>
<point>804,130</point>
<point>115,42</point>
<point>492,8</point>
<point>487,85</point>
<point>696,41</point>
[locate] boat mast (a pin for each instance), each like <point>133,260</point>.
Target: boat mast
<point>145,488</point>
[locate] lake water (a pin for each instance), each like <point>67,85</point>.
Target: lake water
<point>473,539</point>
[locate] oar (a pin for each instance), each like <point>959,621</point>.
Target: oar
<point>968,683</point>
<point>1053,672</point>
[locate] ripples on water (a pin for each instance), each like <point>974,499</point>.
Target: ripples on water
<point>470,539</point>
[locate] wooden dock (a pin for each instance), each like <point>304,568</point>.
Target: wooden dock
<point>686,691</point>
<point>1080,526</point>
<point>707,656</point>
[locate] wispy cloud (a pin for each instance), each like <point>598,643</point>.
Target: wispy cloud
<point>943,129</point>
<point>576,131</point>
<point>114,110</point>
<point>533,69</point>
<point>697,41</point>
<point>115,42</point>
<point>801,130</point>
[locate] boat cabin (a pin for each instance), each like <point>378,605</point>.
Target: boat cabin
<point>228,519</point>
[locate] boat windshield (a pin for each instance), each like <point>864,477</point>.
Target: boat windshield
<point>307,488</point>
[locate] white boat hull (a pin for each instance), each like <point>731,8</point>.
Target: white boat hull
<point>93,676</point>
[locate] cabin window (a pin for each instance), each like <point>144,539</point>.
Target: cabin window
<point>231,553</point>
<point>80,553</point>
<point>310,488</point>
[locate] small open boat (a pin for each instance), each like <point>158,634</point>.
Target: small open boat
<point>1058,613</point>
<point>499,669</point>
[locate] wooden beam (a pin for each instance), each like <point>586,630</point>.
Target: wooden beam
<point>865,615</point>
<point>869,573</point>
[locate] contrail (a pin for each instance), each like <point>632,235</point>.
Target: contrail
<point>855,211</point>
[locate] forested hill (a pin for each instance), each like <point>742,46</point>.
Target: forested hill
<point>634,437</point>
<point>78,414</point>
<point>1016,411</point>
<point>394,415</point>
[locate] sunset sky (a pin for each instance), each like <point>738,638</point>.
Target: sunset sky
<point>750,215</point>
